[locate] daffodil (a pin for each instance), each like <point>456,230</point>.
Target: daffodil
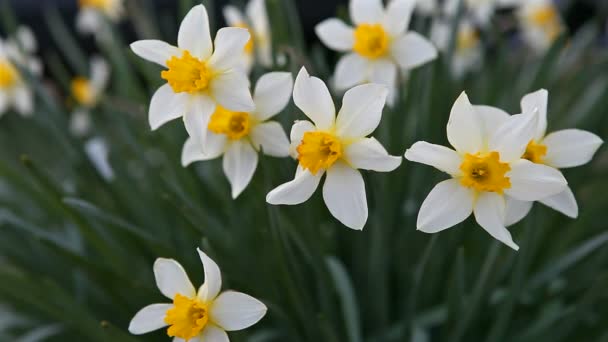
<point>377,46</point>
<point>562,149</point>
<point>86,93</point>
<point>93,14</point>
<point>196,316</point>
<point>541,23</point>
<point>467,50</point>
<point>14,90</point>
<point>336,146</point>
<point>238,136</point>
<point>200,74</point>
<point>255,19</point>
<point>485,167</point>
<point>21,48</point>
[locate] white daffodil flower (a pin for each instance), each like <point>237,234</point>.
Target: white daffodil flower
<point>86,92</point>
<point>485,166</point>
<point>255,19</point>
<point>377,46</point>
<point>21,49</point>
<point>199,76</point>
<point>336,146</point>
<point>14,91</point>
<point>562,149</point>
<point>196,316</point>
<point>541,23</point>
<point>93,14</point>
<point>468,50</point>
<point>238,136</point>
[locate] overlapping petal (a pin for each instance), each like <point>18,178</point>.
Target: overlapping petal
<point>446,205</point>
<point>465,130</point>
<point>311,95</point>
<point>361,110</point>
<point>532,182</point>
<point>440,157</point>
<point>171,279</point>
<point>570,148</point>
<point>239,164</point>
<point>296,191</point>
<point>194,34</point>
<point>271,138</point>
<point>369,154</point>
<point>236,311</point>
<point>490,215</point>
<point>272,93</point>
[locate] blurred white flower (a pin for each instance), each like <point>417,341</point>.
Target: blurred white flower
<point>337,146</point>
<point>196,316</point>
<point>199,77</point>
<point>255,19</point>
<point>86,92</point>
<point>93,15</point>
<point>467,50</point>
<point>14,91</point>
<point>377,46</point>
<point>541,23</point>
<point>485,166</point>
<point>98,152</point>
<point>21,49</point>
<point>428,7</point>
<point>562,149</point>
<point>238,136</point>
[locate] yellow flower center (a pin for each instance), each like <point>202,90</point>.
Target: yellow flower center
<point>98,4</point>
<point>371,40</point>
<point>187,74</point>
<point>235,125</point>
<point>535,152</point>
<point>485,172</point>
<point>187,318</point>
<point>82,91</point>
<point>8,74</point>
<point>467,39</point>
<point>319,150</point>
<point>249,45</point>
<point>547,18</point>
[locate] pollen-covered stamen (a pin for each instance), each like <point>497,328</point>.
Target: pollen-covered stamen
<point>535,152</point>
<point>249,46</point>
<point>8,74</point>
<point>319,150</point>
<point>187,74</point>
<point>187,318</point>
<point>371,40</point>
<point>485,172</point>
<point>235,125</point>
<point>82,91</point>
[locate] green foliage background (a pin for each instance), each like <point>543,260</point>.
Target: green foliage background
<point>76,252</point>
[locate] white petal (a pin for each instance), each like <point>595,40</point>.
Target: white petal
<point>516,210</point>
<point>350,71</point>
<point>229,45</point>
<point>166,106</point>
<point>537,102</point>
<point>233,15</point>
<point>532,182</point>
<point>196,119</point>
<point>213,278</point>
<point>490,215</point>
<point>570,148</point>
<point>311,95</point>
<point>344,195</point>
<point>297,191</point>
<point>369,154</point>
<point>155,51</point>
<point>194,33</point>
<point>361,110</point>
<point>100,74</point>
<point>512,137</point>
<point>413,50</point>
<point>231,90</point>
<point>271,137</point>
<point>564,202</point>
<point>366,11</point>
<point>98,152</point>
<point>383,71</point>
<point>297,133</point>
<point>272,93</point>
<point>89,21</point>
<point>193,152</point>
<point>236,311</point>
<point>150,318</point>
<point>23,100</point>
<point>80,122</point>
<point>440,157</point>
<point>492,118</point>
<point>446,205</point>
<point>335,34</point>
<point>398,15</point>
<point>212,333</point>
<point>171,279</point>
<point>465,129</point>
<point>240,162</point>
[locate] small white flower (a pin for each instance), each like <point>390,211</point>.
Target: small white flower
<point>540,22</point>
<point>196,316</point>
<point>21,49</point>
<point>337,146</point>
<point>562,149</point>
<point>255,19</point>
<point>468,49</point>
<point>93,14</point>
<point>14,91</point>
<point>377,46</point>
<point>238,136</point>
<point>200,74</point>
<point>485,166</point>
<point>86,92</point>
